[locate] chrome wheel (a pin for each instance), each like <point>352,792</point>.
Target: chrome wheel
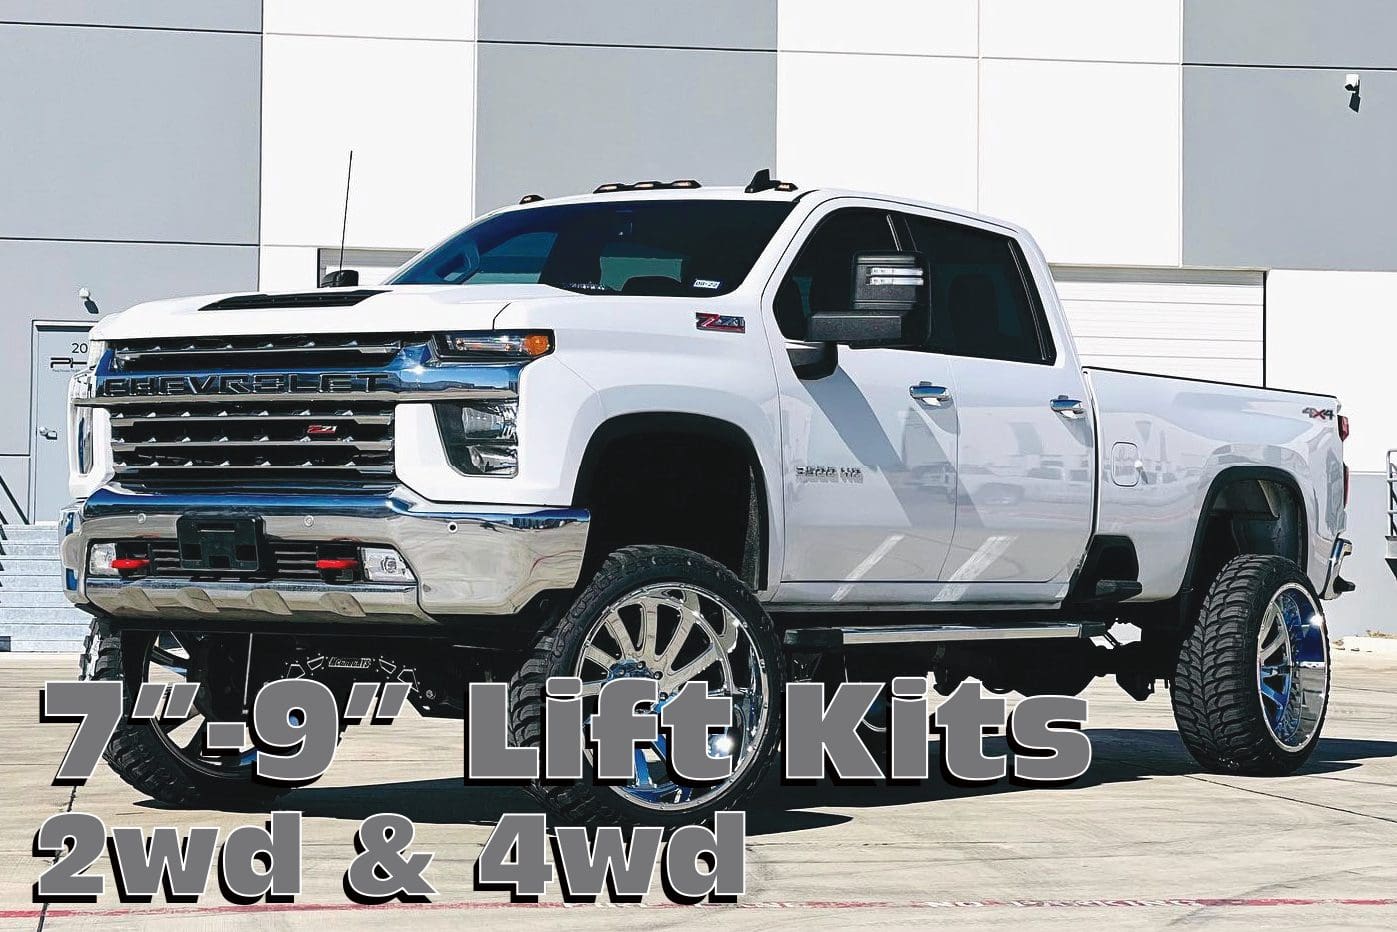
<point>677,633</point>
<point>1292,660</point>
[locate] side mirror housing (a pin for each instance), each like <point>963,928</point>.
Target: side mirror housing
<point>888,306</point>
<point>340,278</point>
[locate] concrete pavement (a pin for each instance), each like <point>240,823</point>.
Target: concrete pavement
<point>1143,840</point>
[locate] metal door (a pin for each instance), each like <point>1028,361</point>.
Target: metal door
<point>58,352</point>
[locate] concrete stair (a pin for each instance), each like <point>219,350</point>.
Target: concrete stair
<point>34,613</point>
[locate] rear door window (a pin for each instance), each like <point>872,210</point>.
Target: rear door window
<point>983,303</point>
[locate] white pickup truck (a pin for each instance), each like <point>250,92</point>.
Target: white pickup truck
<point>746,436</point>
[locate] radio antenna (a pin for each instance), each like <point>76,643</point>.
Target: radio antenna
<point>344,225</point>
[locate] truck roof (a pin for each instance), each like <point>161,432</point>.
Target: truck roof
<point>735,193</point>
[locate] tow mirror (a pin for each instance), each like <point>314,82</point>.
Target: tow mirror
<point>889,297</point>
<point>340,278</point>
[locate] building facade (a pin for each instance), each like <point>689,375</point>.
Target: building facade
<point>1210,186</point>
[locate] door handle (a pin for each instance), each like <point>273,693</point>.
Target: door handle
<point>934,396</point>
<point>48,433</point>
<point>1069,408</point>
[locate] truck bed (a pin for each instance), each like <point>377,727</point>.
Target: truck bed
<point>1164,443</point>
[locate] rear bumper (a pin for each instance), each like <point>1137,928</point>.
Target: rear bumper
<point>1334,584</point>
<point>466,560</point>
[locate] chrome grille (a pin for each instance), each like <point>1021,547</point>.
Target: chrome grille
<point>202,443</point>
<point>281,351</point>
<point>255,439</point>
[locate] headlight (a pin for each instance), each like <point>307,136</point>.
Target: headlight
<point>480,437</point>
<point>82,440</point>
<point>80,388</point>
<point>487,346</point>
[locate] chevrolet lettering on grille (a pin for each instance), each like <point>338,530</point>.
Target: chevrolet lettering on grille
<point>262,383</point>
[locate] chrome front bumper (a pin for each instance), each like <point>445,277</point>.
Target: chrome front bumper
<point>467,560</point>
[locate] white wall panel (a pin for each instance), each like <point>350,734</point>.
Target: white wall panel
<point>286,268</point>
<point>1082,30</point>
<point>413,19</point>
<point>1085,155</point>
<point>1143,321</point>
<point>898,125</point>
<point>406,109</point>
<point>910,27</point>
<point>1335,332</point>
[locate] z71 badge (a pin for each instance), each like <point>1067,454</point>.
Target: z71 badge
<point>720,322</point>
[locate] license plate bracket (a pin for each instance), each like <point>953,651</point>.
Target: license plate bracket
<point>220,544</point>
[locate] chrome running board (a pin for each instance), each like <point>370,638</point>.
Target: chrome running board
<point>826,638</point>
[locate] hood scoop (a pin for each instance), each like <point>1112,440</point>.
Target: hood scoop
<point>306,299</point>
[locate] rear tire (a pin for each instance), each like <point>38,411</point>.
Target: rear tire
<point>1251,688</point>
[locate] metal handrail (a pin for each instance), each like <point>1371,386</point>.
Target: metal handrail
<point>1392,493</point>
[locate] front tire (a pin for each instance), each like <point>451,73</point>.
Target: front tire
<point>674,616</point>
<point>1251,688</point>
<point>163,759</point>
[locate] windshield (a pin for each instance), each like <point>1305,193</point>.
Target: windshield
<point>695,248</point>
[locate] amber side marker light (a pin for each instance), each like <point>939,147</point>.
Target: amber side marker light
<point>537,344</point>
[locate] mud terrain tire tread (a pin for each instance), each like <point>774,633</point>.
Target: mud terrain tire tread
<point>1216,704</point>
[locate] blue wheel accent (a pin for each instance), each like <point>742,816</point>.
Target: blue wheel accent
<point>1292,674</point>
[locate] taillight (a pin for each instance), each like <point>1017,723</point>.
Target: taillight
<point>1343,435</point>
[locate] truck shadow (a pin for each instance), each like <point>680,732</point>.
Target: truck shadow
<point>1119,756</point>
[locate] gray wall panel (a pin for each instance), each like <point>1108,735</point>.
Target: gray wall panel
<point>129,134</point>
<point>1279,172</point>
<point>42,280</point>
<point>743,24</point>
<point>561,120</point>
<point>1370,605</point>
<point>1351,34</point>
<point>236,15</point>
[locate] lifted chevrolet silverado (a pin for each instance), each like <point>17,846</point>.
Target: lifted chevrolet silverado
<point>738,436</point>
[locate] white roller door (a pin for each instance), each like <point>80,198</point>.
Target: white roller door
<point>1198,324</point>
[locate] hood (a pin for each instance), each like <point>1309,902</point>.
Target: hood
<point>388,309</point>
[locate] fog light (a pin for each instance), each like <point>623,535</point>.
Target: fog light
<point>384,564</point>
<point>100,560</point>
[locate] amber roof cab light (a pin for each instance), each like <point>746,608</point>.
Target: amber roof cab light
<point>611,187</point>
